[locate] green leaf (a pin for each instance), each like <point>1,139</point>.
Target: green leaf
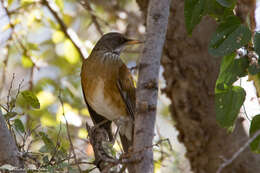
<point>231,69</point>
<point>213,8</point>
<point>45,159</point>
<point>9,115</point>
<point>49,145</point>
<point>228,102</point>
<point>229,36</point>
<point>227,3</point>
<point>19,125</point>
<point>26,62</point>
<point>31,98</point>
<point>71,54</point>
<point>10,2</point>
<point>254,127</point>
<point>26,2</point>
<point>60,4</point>
<point>32,46</point>
<point>193,12</point>
<point>257,43</point>
<point>43,149</point>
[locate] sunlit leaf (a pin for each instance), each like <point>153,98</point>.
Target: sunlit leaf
<point>60,4</point>
<point>48,120</point>
<point>254,127</point>
<point>26,2</point>
<point>26,62</point>
<point>32,46</point>
<point>71,115</point>
<point>10,2</point>
<point>70,52</point>
<point>85,111</point>
<point>57,36</point>
<point>45,98</point>
<point>82,133</point>
<point>157,166</point>
<point>53,24</point>
<point>31,99</point>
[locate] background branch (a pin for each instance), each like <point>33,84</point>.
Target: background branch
<point>87,6</point>
<point>68,32</point>
<point>229,161</point>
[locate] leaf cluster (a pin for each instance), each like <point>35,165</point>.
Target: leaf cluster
<point>231,36</point>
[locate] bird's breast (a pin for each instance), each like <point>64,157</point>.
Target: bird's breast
<point>105,99</point>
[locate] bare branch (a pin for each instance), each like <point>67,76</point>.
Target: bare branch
<point>68,32</point>
<point>87,6</point>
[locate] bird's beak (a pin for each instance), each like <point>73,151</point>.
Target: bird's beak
<point>131,42</point>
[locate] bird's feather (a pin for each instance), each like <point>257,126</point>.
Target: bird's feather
<point>125,85</point>
<point>96,118</point>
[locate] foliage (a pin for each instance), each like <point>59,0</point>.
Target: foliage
<point>232,41</point>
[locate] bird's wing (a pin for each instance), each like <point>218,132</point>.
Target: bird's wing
<point>125,85</point>
<point>96,118</point>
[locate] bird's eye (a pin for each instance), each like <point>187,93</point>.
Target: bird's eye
<point>123,40</point>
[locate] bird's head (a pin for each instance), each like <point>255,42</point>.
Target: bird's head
<point>114,42</point>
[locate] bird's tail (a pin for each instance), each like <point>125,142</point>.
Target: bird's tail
<point>126,135</point>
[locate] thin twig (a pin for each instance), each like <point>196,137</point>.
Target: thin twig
<point>229,161</point>
<point>9,93</point>
<point>68,133</point>
<point>64,28</point>
<point>56,147</point>
<point>87,6</point>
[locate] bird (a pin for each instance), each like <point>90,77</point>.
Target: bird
<point>108,86</point>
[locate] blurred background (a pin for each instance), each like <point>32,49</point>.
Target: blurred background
<point>36,54</point>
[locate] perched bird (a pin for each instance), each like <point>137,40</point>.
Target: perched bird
<point>108,86</point>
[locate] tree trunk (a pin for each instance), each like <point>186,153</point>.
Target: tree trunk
<point>8,150</point>
<point>190,74</point>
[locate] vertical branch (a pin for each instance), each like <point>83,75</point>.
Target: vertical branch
<point>147,90</point>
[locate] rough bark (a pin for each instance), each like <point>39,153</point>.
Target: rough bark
<point>147,90</point>
<point>190,74</point>
<point>8,150</point>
